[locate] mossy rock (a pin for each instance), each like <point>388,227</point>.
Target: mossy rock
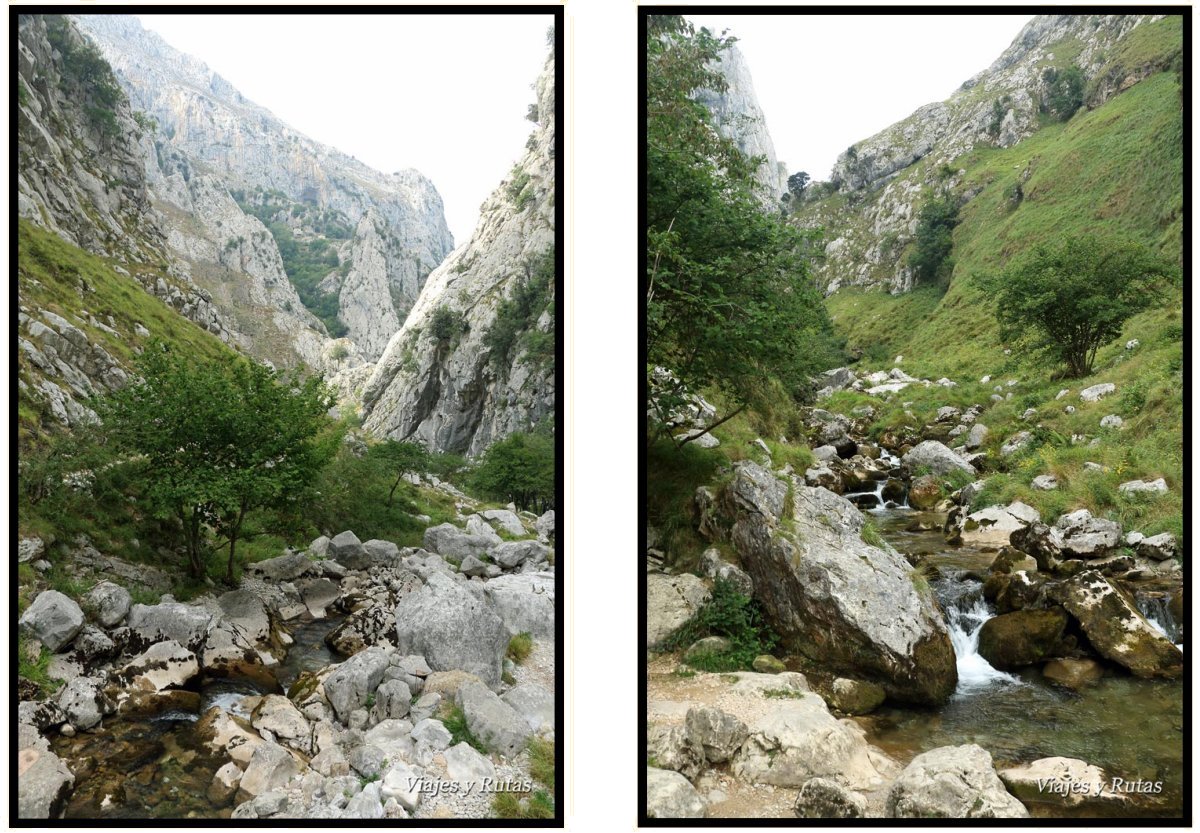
<point>767,664</point>
<point>855,696</point>
<point>1021,638</point>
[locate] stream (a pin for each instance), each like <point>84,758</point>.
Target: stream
<point>1132,728</point>
<point>161,767</point>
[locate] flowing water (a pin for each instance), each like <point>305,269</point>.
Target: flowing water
<point>1131,728</point>
<point>161,767</point>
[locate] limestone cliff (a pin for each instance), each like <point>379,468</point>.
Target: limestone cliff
<point>448,378</point>
<point>739,117</point>
<point>286,178</point>
<point>869,208</point>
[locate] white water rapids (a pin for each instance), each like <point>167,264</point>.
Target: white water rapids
<point>966,611</point>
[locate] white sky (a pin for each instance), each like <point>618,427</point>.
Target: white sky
<point>827,81</point>
<point>445,94</point>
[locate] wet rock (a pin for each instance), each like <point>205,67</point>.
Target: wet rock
<point>823,798</point>
<point>107,603</point>
<point>937,458</point>
<point>925,492</point>
<point>1012,560</point>
<point>671,796</point>
<point>1116,629</point>
<point>894,490</point>
<point>493,721</point>
<point>671,601</point>
<point>834,597</point>
<point>1073,673</point>
<point>1024,637</point>
<point>163,665</point>
<point>224,784</point>
<point>799,739</point>
<point>1064,782</point>
<point>452,629</point>
<point>719,734</point>
<point>53,619</point>
<point>674,748</point>
<point>855,696</point>
<point>952,782</point>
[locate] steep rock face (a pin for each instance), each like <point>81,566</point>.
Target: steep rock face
<point>881,182</point>
<point>740,118</point>
<point>438,381</point>
<point>206,121</point>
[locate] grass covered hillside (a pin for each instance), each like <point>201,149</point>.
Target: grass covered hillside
<point>1116,170</point>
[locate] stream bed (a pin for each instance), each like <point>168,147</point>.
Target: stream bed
<point>161,766</point>
<point>1131,728</point>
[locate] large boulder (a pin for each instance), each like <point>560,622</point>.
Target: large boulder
<point>83,702</point>
<point>494,722</point>
<point>347,550</point>
<point>524,602</point>
<point>718,733</point>
<point>186,624</point>
<point>952,782</point>
<point>1020,638</point>
<point>799,739</point>
<point>993,526</point>
<point>1065,782</point>
<point>506,520</point>
<point>673,747</point>
<point>936,457</point>
<point>1115,627</point>
<point>451,542</point>
<point>270,768</point>
<point>512,554</point>
<point>53,619</point>
<point>355,680</point>
<point>107,603</point>
<point>453,629</point>
<point>823,798</point>
<point>43,781</point>
<point>163,665</point>
<point>841,602</point>
<point>925,492</point>
<point>277,715</point>
<point>545,526</point>
<point>246,610</point>
<point>671,796</point>
<point>287,567</point>
<point>362,629</point>
<point>1086,536</point>
<point>671,601</point>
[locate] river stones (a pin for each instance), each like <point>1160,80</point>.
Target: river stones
<point>453,629</point>
<point>925,492</point>
<point>1086,536</point>
<point>824,798</point>
<point>674,747</point>
<point>107,603</point>
<point>837,600</point>
<point>163,665</point>
<point>353,682</point>
<point>799,739</point>
<point>186,624</point>
<point>936,457</point>
<point>1116,629</point>
<point>1021,638</point>
<point>671,796</point>
<point>1065,782</point>
<point>53,619</point>
<point>855,696</point>
<point>994,525</point>
<point>1073,673</point>
<point>224,784</point>
<point>952,782</point>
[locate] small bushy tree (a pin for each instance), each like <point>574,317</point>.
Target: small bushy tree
<point>1064,91</point>
<point>219,439</point>
<point>1070,298</point>
<point>400,458</point>
<point>519,469</point>
<point>930,259</point>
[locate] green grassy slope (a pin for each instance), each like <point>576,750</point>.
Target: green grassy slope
<point>1115,169</point>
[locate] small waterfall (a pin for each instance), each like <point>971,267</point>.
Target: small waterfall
<point>1157,610</point>
<point>966,611</point>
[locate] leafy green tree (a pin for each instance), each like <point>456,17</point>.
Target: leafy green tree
<point>797,182</point>
<point>1069,299</point>
<point>520,469</point>
<point>219,439</point>
<point>1064,91</point>
<point>729,304</point>
<point>445,324</point>
<point>401,458</point>
<point>930,259</point>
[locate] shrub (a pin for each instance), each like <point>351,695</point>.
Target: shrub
<point>519,469</point>
<point>520,647</point>
<point>1064,91</point>
<point>930,259</point>
<point>731,615</point>
<point>445,324</point>
<point>456,723</point>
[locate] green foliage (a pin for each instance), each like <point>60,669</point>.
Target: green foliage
<point>729,302</point>
<point>217,440</point>
<point>1000,109</point>
<point>1064,91</point>
<point>84,66</point>
<point>783,694</point>
<point>870,535</point>
<point>538,805</point>
<point>518,469</point>
<point>145,122</point>
<point>520,187</point>
<point>520,647</point>
<point>734,616</point>
<point>541,763</point>
<point>400,458</point>
<point>1071,298</point>
<point>38,670</point>
<point>22,94</point>
<point>456,723</point>
<point>930,258</point>
<point>445,324</point>
<point>515,324</point>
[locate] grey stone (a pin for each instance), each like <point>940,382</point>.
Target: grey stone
<point>954,782</point>
<point>506,520</point>
<point>452,629</point>
<point>1130,487</point>
<point>1097,392</point>
<point>107,603</point>
<point>43,783</point>
<point>824,798</point>
<point>224,784</point>
<point>533,703</point>
<point>512,554</point>
<point>493,721</point>
<point>452,542</point>
<point>671,796</point>
<point>1111,421</point>
<point>1086,536</point>
<point>163,665</point>
<point>545,526</point>
<point>674,747</point>
<point>346,549</point>
<point>270,768</point>
<point>1044,482</point>
<point>352,682</point>
<point>186,624</point>
<point>393,699</point>
<point>277,715</point>
<point>84,703</point>
<point>29,549</point>
<point>286,567</point>
<point>719,734</point>
<point>671,601</point>
<point>466,766</point>
<point>246,610</point>
<point>937,458</point>
<point>53,619</point>
<point>1159,547</point>
<point>432,732</point>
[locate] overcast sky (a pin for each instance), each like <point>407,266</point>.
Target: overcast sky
<point>445,94</point>
<point>827,81</point>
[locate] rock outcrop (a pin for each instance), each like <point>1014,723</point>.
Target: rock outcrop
<point>445,379</point>
<point>833,597</point>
